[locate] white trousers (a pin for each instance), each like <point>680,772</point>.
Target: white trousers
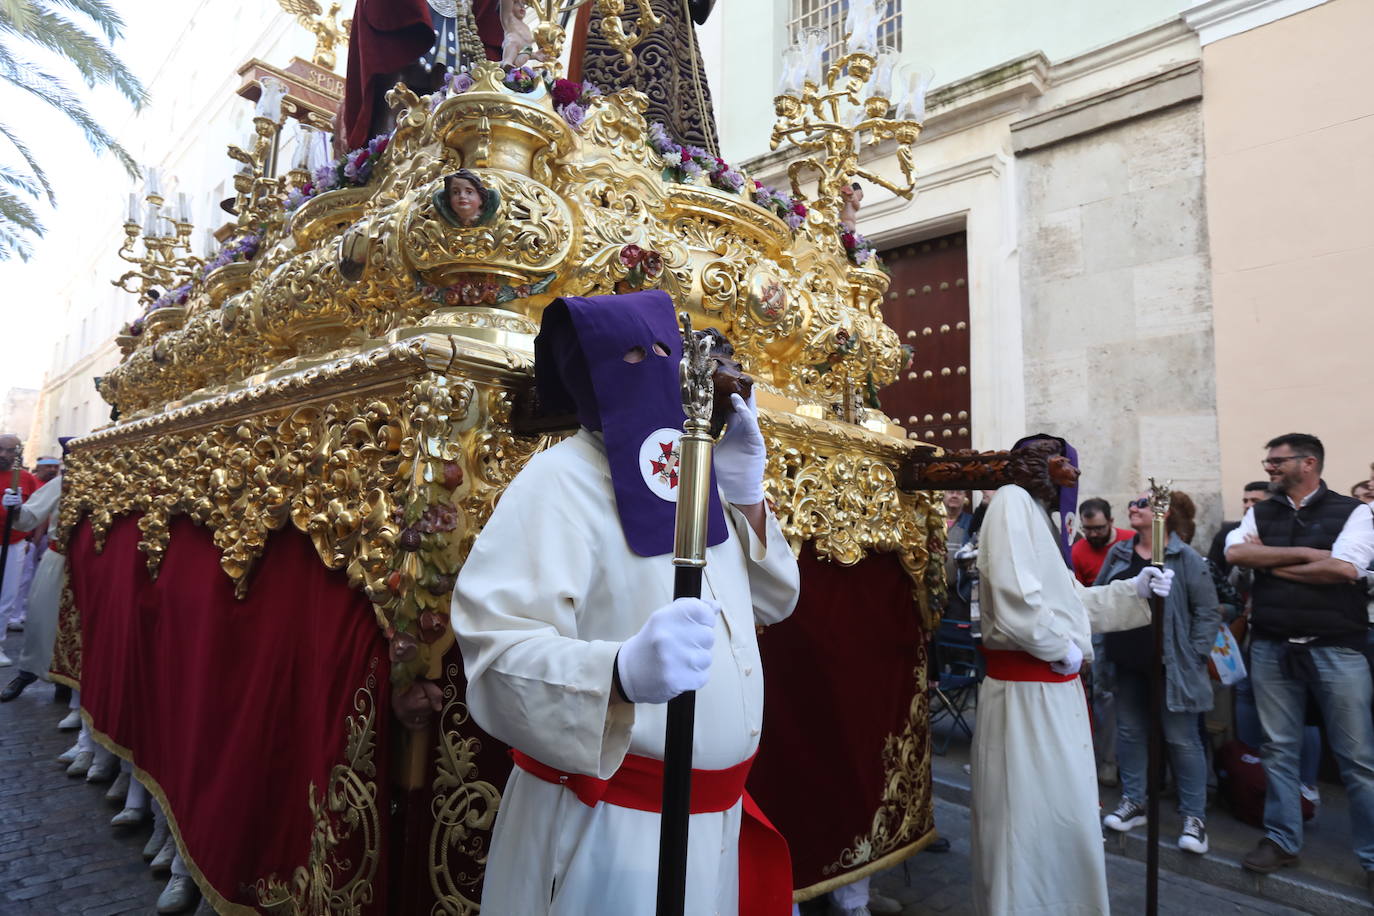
<point>14,571</point>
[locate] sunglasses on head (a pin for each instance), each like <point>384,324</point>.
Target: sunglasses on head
<point>1141,503</point>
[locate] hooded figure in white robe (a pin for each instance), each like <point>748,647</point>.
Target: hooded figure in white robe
<point>1036,840</point>
<point>566,584</point>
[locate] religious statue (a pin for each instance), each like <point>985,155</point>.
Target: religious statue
<point>667,67</point>
<point>853,195</point>
<point>515,47</point>
<point>465,201</point>
<point>328,33</point>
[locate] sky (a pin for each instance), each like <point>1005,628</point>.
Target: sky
<point>84,183</point>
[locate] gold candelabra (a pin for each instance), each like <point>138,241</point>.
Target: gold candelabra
<point>258,189</point>
<point>166,260</point>
<point>826,111</point>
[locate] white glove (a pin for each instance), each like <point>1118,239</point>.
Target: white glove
<point>740,456</point>
<point>11,499</point>
<point>1070,663</point>
<point>1154,581</point>
<point>671,653</point>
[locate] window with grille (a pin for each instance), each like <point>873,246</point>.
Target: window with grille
<point>830,15</point>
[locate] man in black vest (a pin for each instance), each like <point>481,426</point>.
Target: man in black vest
<point>1308,547</point>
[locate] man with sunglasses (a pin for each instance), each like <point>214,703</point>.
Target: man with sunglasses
<point>1308,548</point>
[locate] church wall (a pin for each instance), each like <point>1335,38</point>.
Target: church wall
<point>1116,300</point>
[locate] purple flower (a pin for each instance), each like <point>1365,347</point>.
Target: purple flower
<point>458,83</point>
<point>326,176</point>
<point>794,221</point>
<point>590,91</point>
<point>574,114</point>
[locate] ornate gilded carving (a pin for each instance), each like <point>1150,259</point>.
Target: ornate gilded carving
<point>904,813</point>
<point>464,807</point>
<point>66,650</point>
<point>335,880</point>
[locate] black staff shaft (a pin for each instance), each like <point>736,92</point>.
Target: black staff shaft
<point>677,778</point>
<point>9,528</point>
<point>1156,758</point>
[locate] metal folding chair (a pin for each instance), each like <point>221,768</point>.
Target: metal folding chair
<point>959,669</point>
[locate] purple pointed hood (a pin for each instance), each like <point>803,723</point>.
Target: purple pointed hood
<point>580,366</point>
<point>1068,496</point>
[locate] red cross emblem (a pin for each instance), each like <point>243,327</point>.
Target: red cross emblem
<point>666,469</point>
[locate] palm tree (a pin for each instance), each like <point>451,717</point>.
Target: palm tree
<point>27,24</point>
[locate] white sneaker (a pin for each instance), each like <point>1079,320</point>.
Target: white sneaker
<point>118,789</point>
<point>1194,836</point>
<point>81,764</point>
<point>161,834</point>
<point>129,817</point>
<point>1127,816</point>
<point>69,754</point>
<point>70,722</point>
<point>4,659</point>
<point>882,904</point>
<point>178,896</point>
<point>103,770</point>
<point>162,862</point>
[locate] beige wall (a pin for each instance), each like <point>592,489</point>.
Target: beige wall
<point>1289,123</point>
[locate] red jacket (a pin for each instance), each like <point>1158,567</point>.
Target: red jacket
<point>27,485</point>
<point>1088,560</point>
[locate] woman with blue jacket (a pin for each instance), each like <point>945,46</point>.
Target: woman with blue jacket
<point>1191,619</point>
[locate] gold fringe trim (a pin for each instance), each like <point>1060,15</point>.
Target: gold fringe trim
<point>217,900</point>
<point>877,865</point>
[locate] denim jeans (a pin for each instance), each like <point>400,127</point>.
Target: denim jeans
<point>1181,736</point>
<point>1249,732</point>
<point>1343,692</point>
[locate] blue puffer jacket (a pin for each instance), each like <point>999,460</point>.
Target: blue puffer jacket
<point>1191,619</point>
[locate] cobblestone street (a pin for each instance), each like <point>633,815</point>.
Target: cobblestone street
<point>58,853</point>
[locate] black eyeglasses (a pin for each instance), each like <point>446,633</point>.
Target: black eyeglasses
<point>1267,463</point>
<point>1141,503</point>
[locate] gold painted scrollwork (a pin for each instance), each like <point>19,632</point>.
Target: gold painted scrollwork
<point>334,881</point>
<point>464,808</point>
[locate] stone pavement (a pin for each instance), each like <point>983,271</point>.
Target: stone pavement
<point>938,883</point>
<point>58,853</point>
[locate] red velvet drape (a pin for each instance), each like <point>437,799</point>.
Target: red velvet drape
<point>838,680</point>
<point>235,708</point>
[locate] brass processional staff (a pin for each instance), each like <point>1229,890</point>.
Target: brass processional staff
<point>1160,496</point>
<point>689,560</point>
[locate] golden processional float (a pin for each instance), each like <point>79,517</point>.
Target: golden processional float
<point>314,424</point>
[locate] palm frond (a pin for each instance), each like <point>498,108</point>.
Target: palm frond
<point>16,212</point>
<point>39,175</point>
<point>96,62</point>
<point>53,91</point>
<point>19,181</point>
<point>106,17</point>
<point>13,243</point>
<point>19,12</point>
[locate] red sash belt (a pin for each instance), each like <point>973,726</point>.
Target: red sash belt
<point>1015,665</point>
<point>765,866</point>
